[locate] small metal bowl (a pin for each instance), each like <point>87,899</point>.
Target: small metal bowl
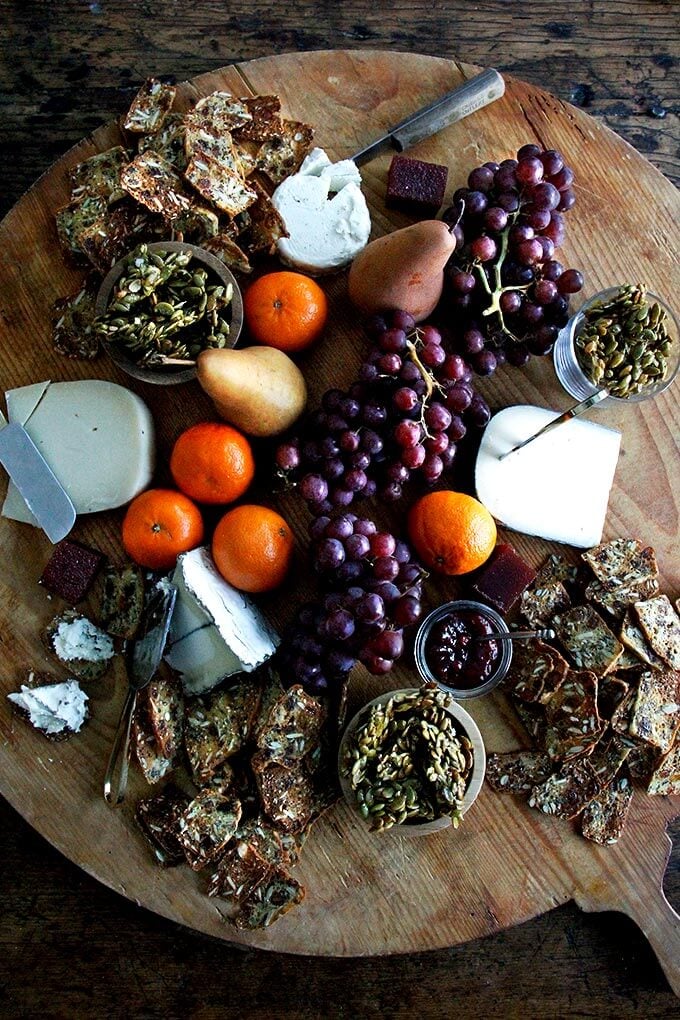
<point>572,377</point>
<point>469,728</point>
<point>170,375</point>
<point>504,659</point>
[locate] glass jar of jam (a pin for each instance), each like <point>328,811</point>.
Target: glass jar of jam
<point>448,649</point>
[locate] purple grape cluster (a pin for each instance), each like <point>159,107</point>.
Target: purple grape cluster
<point>508,294</point>
<point>373,589</point>
<point>411,407</point>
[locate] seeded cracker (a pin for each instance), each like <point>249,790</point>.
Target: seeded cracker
<point>282,154</point>
<point>532,715</point>
<point>99,175</point>
<point>665,780</point>
<point>206,826</point>
<point>220,112</point>
<point>608,758</point>
<point>226,249</point>
<point>536,672</point>
<point>165,706</point>
<point>79,645</point>
<point>73,219</point>
<point>150,107</point>
<point>620,720</point>
<point>656,711</point>
<point>108,240</point>
<point>588,640</point>
<point>661,626</point>
<point>200,142</point>
<point>198,222</point>
<point>154,183</point>
<point>642,761</point>
<point>158,818</point>
<point>239,872</point>
<point>152,763</point>
<point>604,819</point>
<point>269,901</point>
<point>266,122</point>
<point>517,771</point>
<point>574,725</point>
<point>617,600</point>
<point>168,142</point>
<point>633,639</point>
<point>540,603</point>
<point>555,568</point>
<point>219,185</point>
<point>611,691</point>
<point>293,727</point>
<point>567,792</point>
<point>287,794</point>
<point>621,562</point>
<point>122,600</point>
<point>73,335</point>
<point>265,227</point>
<point>266,840</point>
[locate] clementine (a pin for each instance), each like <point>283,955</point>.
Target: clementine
<point>159,525</point>
<point>451,532</point>
<point>252,548</point>
<point>212,463</point>
<point>285,310</point>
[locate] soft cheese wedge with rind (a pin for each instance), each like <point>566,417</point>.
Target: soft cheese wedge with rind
<point>97,437</point>
<point>558,486</point>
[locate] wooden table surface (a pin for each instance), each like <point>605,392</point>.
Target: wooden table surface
<point>68,946</point>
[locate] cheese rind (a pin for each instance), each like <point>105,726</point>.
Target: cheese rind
<point>558,486</point>
<point>97,437</point>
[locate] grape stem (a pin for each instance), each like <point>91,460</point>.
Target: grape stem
<point>428,378</point>
<point>495,294</point>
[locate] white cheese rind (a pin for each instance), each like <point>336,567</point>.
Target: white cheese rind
<point>558,486</point>
<point>53,708</point>
<point>215,630</point>
<point>325,233</point>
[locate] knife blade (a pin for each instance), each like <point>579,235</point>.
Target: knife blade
<point>38,485</point>
<point>472,95</point>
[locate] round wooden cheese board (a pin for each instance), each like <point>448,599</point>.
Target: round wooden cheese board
<point>366,894</point>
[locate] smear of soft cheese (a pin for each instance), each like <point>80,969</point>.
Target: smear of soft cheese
<point>54,707</point>
<point>325,233</point>
<point>558,486</point>
<point>80,639</point>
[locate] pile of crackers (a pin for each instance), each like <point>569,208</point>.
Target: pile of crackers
<point>256,758</point>
<point>204,176</point>
<point>602,704</point>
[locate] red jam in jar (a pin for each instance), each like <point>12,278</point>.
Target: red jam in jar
<point>454,657</point>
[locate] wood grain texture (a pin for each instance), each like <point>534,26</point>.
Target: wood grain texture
<point>482,951</point>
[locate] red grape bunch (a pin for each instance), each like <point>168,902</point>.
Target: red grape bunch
<point>509,294</point>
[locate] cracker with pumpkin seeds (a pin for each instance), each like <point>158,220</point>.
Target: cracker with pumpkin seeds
<point>261,835</point>
<point>99,175</point>
<point>238,873</point>
<point>540,603</point>
<point>568,791</point>
<point>108,240</point>
<point>206,826</point>
<point>168,142</point>
<point>573,721</point>
<point>73,219</point>
<point>536,671</point>
<point>282,154</point>
<point>205,751</point>
<point>518,771</point>
<point>621,562</point>
<point>655,716</point>
<point>555,568</point>
<point>287,794</point>
<point>226,249</point>
<point>219,185</point>
<point>155,183</point>
<point>198,222</point>
<point>269,900</point>
<point>665,779</point>
<point>617,600</point>
<point>604,818</point>
<point>150,107</point>
<point>73,335</point>
<point>661,626</point>
<point>633,639</point>
<point>588,640</point>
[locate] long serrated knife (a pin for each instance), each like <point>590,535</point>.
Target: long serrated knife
<point>479,91</point>
<point>40,488</point>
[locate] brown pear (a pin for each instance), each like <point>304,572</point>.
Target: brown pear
<point>403,270</point>
<point>257,389</point>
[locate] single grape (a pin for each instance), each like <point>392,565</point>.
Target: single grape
<point>333,469</point>
<point>338,663</point>
<point>397,472</point>
<point>390,364</point>
<point>475,202</point>
<point>287,456</point>
<point>563,179</point>
<point>392,492</point>
<point>340,527</point>
<point>456,429</point>
<point>311,452</point>
<point>538,219</point>
<point>393,340</point>
<point>407,611</point>
<point>339,625</point>
<point>484,364</point>
<point>348,441</point>
<point>481,179</point>
<point>357,547</point>
<point>370,609</point>
<point>473,341</point>
<point>545,291</point>
<point>548,247</point>
<point>329,554</point>
<point>517,354</point>
<point>413,457</point>
<point>407,434</point>
<point>350,408</point>
<point>567,200</point>
<point>552,270</point>
<point>332,399</point>
<point>545,196</point>
<point>317,528</point>
<point>383,544</point>
<point>432,355</point>
<point>459,397</point>
<point>570,282</point>
<point>520,232</point>
<point>462,282</point>
<point>531,313</point>
<point>555,229</point>
<point>529,170</point>
<point>374,414</point>
<point>348,572</point>
<point>365,526</point>
<point>329,448</point>
<point>437,417</point>
<point>495,218</point>
<point>377,666</point>
<point>530,252</point>
<point>359,460</point>
<point>508,201</point>
<point>433,465</point>
<point>448,455</point>
<point>430,335</point>
<point>504,179</point>
<point>371,442</point>
<point>356,480</point>
<point>479,412</point>
<point>410,372</point>
<point>552,161</point>
<point>484,248</point>
<point>528,151</point>
<point>437,443</point>
<point>453,367</point>
<point>314,488</point>
<point>388,645</point>
<point>510,301</point>
<point>543,340</point>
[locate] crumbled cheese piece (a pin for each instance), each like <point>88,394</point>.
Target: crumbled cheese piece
<point>54,707</point>
<point>80,639</point>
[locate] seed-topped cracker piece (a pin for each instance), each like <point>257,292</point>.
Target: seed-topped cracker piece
<point>287,794</point>
<point>246,153</point>
<point>200,142</point>
<point>234,711</point>
<point>269,901</point>
<point>635,641</point>
<point>574,724</point>
<point>100,175</point>
<point>168,142</point>
<point>217,727</point>
<point>153,764</point>
<point>225,248</point>
<point>219,185</point>
<point>608,758</point>
<point>150,107</point>
<point>165,705</point>
<point>661,626</point>
<point>617,600</point>
<point>621,716</point>
<point>205,751</point>
<point>567,792</point>
<point>122,600</point>
<point>518,771</point>
<point>665,779</point>
<point>266,120</point>
<point>588,640</point>
<point>532,715</point>
<point>642,761</point>
<point>239,872</point>
<point>266,840</point>
<point>611,691</point>
<point>282,154</point>
<point>621,562</point>
<point>536,671</point>
<point>154,183</point>
<point>73,335</point>
<point>220,112</point>
<point>80,646</point>
<point>198,223</point>
<point>71,570</point>
<point>655,715</point>
<point>75,218</point>
<point>205,827</point>
<point>293,727</point>
<point>158,818</point>
<point>604,819</point>
<point>628,661</point>
<point>265,227</point>
<point>542,601</point>
<point>271,692</point>
<point>108,240</point>
<point>556,568</point>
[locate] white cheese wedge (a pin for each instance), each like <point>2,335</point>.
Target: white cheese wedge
<point>53,708</point>
<point>558,486</point>
<point>326,233</point>
<point>215,630</point>
<point>97,437</point>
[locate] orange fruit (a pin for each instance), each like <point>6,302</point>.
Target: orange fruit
<point>252,548</point>
<point>159,525</point>
<point>452,533</point>
<point>285,310</point>
<point>212,463</point>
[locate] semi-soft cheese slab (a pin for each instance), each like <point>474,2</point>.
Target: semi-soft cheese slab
<point>556,487</point>
<point>97,436</point>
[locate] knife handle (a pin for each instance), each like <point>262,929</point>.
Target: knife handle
<point>117,768</point>
<point>479,91</point>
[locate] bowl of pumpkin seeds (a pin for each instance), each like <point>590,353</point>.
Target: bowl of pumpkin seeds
<point>412,760</point>
<point>164,303</point>
<point>625,340</point>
